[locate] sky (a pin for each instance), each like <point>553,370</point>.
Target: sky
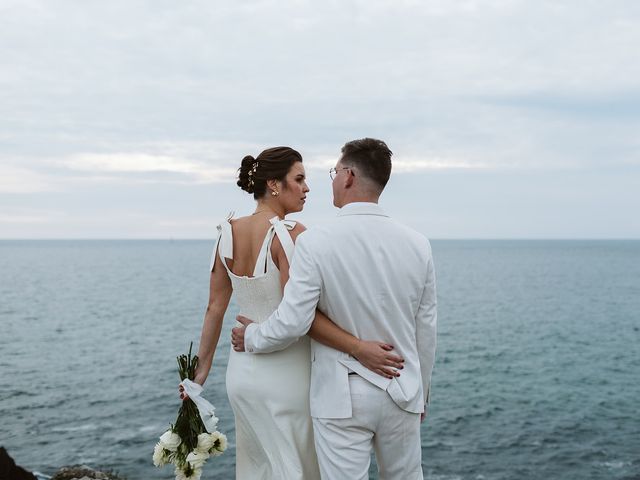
<point>507,119</point>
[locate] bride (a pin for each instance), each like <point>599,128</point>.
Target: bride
<point>269,393</point>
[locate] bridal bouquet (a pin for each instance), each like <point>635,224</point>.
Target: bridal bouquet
<point>194,438</point>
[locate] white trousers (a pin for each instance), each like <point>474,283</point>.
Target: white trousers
<point>344,445</point>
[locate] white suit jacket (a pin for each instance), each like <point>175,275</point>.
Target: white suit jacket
<point>374,277</point>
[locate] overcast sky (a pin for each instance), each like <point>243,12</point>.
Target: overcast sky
<point>508,119</point>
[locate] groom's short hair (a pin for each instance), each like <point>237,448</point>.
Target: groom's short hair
<point>371,157</point>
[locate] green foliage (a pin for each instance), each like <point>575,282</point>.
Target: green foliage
<point>188,424</point>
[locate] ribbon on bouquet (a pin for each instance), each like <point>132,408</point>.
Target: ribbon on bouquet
<point>206,410</point>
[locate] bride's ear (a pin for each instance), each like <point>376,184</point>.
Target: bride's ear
<point>272,185</point>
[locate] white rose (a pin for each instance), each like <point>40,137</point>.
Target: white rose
<point>221,442</point>
<point>205,442</point>
<point>181,475</point>
<point>197,459</point>
<point>159,456</point>
<point>214,419</point>
<point>170,440</point>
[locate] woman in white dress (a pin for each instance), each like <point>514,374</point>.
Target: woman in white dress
<point>269,393</point>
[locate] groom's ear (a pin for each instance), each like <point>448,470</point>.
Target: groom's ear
<point>349,179</point>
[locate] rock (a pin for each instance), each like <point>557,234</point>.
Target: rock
<point>9,469</point>
<point>82,472</point>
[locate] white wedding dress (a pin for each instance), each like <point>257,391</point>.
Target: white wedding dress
<point>269,393</point>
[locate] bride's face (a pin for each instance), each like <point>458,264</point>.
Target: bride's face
<point>293,190</point>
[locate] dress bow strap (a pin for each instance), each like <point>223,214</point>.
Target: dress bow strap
<point>224,246</point>
<point>281,227</point>
<point>226,240</point>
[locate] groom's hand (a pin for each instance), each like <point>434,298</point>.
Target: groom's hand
<point>237,333</point>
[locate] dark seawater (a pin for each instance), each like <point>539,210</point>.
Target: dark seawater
<point>537,373</point>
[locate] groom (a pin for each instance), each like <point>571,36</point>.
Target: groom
<point>374,277</point>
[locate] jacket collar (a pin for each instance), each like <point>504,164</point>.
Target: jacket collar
<point>361,208</point>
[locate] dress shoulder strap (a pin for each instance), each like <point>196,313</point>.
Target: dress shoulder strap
<point>279,228</point>
<point>224,245</point>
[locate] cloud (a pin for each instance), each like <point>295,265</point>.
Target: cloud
<point>185,162</point>
<point>408,165</point>
<point>16,216</point>
<point>612,106</point>
<point>18,180</point>
<point>179,169</point>
<point>405,164</point>
<point>143,167</point>
<point>24,219</point>
<point>119,94</point>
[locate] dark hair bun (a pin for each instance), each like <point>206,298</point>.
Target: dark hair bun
<point>243,174</point>
<point>272,164</point>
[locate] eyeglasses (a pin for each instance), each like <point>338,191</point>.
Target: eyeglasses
<point>333,172</point>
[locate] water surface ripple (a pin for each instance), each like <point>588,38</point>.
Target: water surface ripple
<point>536,374</point>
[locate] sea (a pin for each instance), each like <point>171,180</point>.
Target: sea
<point>537,374</point>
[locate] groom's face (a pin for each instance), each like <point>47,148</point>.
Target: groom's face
<point>338,184</point>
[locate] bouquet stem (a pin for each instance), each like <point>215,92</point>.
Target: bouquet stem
<point>188,424</point>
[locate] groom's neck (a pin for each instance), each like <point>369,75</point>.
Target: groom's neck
<point>360,198</point>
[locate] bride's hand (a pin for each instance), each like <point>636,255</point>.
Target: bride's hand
<point>197,379</point>
<point>183,395</point>
<point>377,357</point>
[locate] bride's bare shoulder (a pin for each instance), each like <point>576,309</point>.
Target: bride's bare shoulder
<point>243,223</point>
<point>250,229</point>
<point>297,230</point>
<point>276,246</point>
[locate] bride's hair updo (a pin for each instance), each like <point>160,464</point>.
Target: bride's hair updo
<point>272,164</point>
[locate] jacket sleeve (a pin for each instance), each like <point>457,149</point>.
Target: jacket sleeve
<point>426,322</point>
<point>293,317</point>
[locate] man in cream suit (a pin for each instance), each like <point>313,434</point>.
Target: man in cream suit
<point>374,277</point>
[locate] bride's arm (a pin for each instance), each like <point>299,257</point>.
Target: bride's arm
<point>219,295</point>
<point>376,356</point>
